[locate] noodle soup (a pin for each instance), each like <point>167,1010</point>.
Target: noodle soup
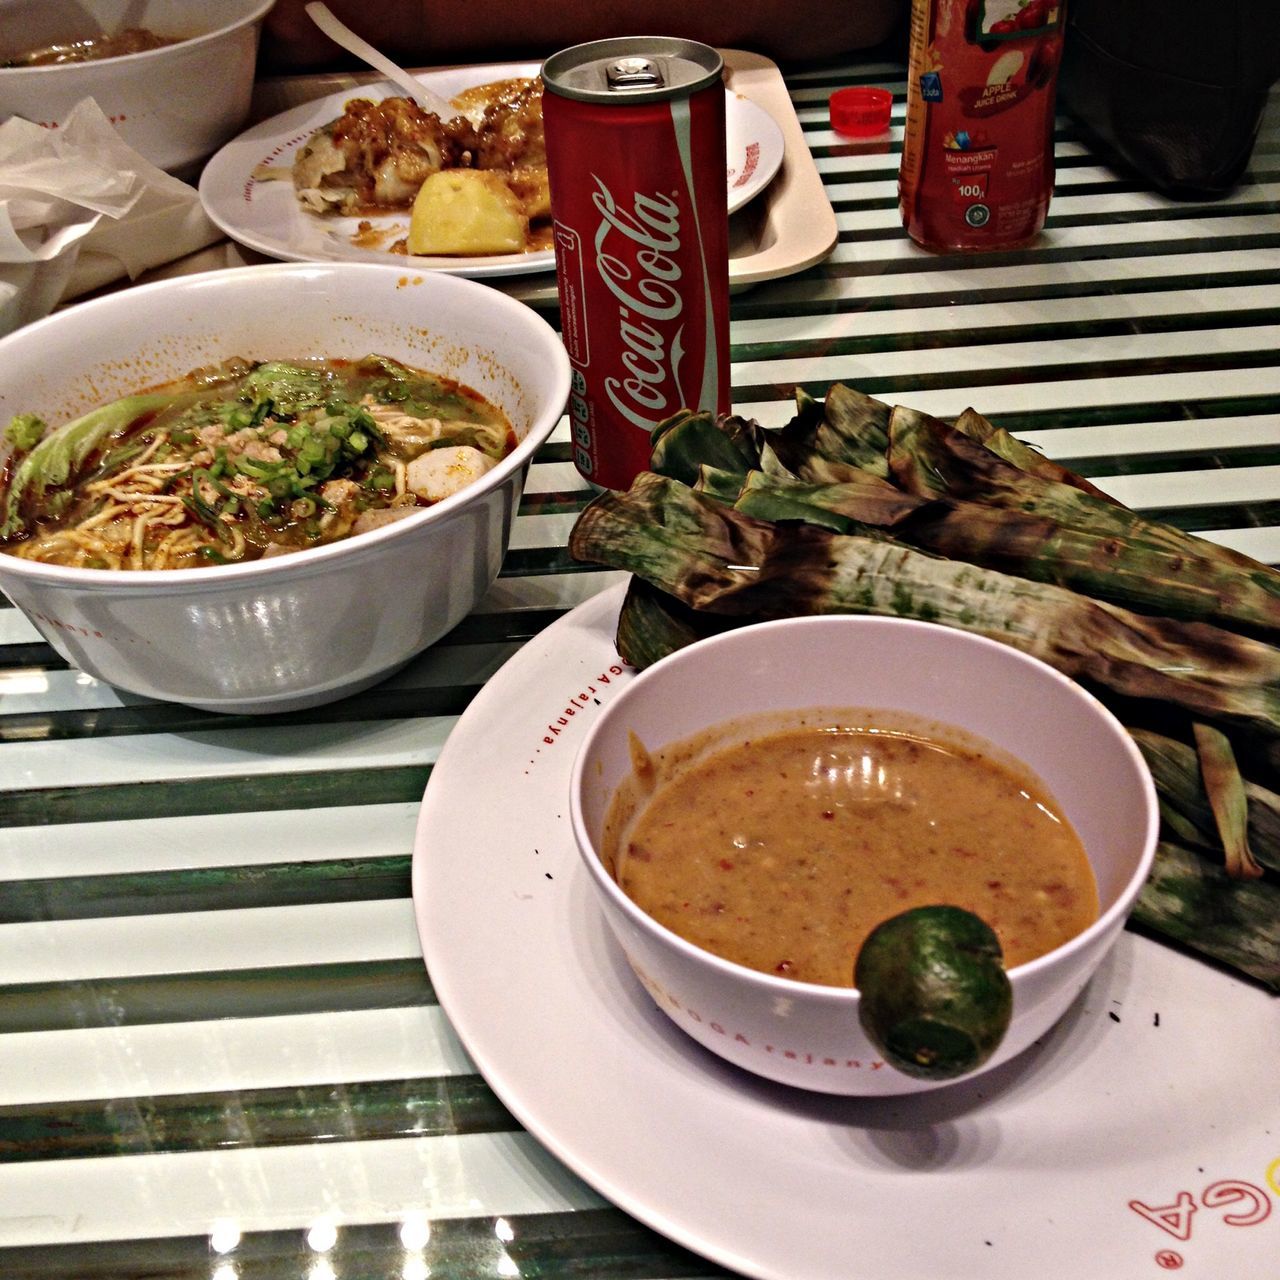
<point>241,461</point>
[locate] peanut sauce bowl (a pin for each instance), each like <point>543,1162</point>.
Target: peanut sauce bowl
<point>175,105</point>
<point>311,626</point>
<point>802,1033</point>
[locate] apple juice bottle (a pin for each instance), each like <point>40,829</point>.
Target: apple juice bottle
<point>977,156</point>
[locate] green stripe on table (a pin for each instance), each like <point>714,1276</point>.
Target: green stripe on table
<point>1043,253</point>
<point>555,503</point>
<point>498,628</point>
<point>990,335</point>
<point>394,702</point>
<point>280,884</point>
<point>1256,515</point>
<point>81,722</point>
<point>1145,215</point>
<point>556,451</point>
<point>1245,455</point>
<point>533,562</point>
<point>190,997</point>
<point>804,85</point>
<point>590,1244</point>
<point>290,1115</point>
<point>1110,415</point>
<point>979,376</point>
<point>251,793</point>
<point>781,301</point>
<point>30,653</point>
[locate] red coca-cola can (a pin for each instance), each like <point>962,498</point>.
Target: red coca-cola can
<point>636,159</point>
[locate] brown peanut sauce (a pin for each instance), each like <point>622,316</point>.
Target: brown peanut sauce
<point>781,848</point>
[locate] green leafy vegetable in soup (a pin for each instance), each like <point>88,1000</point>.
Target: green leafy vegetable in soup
<point>243,460</point>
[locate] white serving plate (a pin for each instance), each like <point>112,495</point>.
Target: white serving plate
<point>1141,1138</point>
<point>265,214</point>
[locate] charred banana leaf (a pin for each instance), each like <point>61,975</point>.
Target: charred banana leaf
<point>1200,578</point>
<point>1184,803</point>
<point>1106,566</point>
<point>1224,786</point>
<point>687,441</point>
<point>972,424</point>
<point>651,624</point>
<point>1194,902</point>
<point>812,519</point>
<point>851,428</point>
<point>861,503</point>
<point>711,557</point>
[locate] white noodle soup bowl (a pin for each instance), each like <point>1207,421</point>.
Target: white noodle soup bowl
<point>807,1035</point>
<point>175,105</point>
<point>312,626</point>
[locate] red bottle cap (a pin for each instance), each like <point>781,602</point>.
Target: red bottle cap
<point>861,111</point>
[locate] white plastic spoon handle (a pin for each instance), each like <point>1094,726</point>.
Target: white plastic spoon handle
<point>342,35</point>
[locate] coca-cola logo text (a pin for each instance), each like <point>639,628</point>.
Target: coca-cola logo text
<point>637,266</point>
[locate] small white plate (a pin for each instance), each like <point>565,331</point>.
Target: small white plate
<point>1140,1138</point>
<point>264,214</point>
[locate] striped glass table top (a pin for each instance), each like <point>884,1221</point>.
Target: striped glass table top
<point>220,1051</point>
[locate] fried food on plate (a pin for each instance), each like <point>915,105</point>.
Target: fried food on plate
<point>380,156</point>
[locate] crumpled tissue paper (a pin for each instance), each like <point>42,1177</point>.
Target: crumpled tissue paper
<point>80,208</point>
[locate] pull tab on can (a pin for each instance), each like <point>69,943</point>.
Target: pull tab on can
<point>633,73</point>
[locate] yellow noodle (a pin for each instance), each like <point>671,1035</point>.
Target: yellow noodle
<point>179,549</point>
<point>133,498</point>
<point>160,439</point>
<point>141,470</point>
<point>237,540</point>
<point>90,548</point>
<point>161,555</point>
<point>101,517</point>
<point>137,540</point>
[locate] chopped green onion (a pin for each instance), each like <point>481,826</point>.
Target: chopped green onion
<point>257,468</point>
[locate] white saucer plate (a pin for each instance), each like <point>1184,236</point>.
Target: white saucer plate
<point>263,213</point>
<point>1141,1138</point>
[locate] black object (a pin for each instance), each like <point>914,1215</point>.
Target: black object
<point>1173,90</point>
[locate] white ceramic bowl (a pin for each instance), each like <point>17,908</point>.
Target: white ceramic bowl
<point>175,105</point>
<point>306,628</point>
<point>808,1035</point>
